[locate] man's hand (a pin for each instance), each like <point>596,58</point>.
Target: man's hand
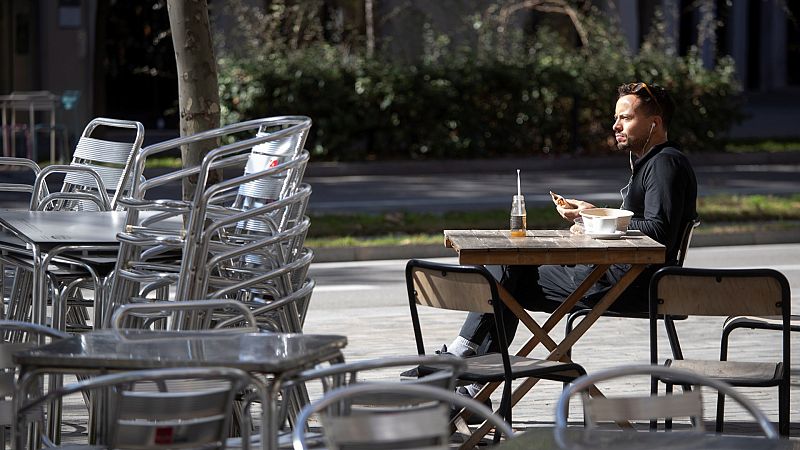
<point>573,213</point>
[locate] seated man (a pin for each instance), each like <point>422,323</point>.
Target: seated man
<point>662,193</point>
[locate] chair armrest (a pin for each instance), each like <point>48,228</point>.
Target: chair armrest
<point>760,322</point>
<point>754,323</point>
<point>40,183</point>
<point>20,162</point>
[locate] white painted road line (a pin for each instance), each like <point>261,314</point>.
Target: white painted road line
<point>345,287</point>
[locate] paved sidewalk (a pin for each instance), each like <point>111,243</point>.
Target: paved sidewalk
<point>378,327</point>
<point>596,350</point>
<point>366,253</point>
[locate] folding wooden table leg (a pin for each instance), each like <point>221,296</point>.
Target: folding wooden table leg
<point>560,350</point>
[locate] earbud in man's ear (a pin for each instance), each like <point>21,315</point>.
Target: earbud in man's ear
<point>652,127</point>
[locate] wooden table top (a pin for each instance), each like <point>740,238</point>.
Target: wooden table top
<point>551,247</point>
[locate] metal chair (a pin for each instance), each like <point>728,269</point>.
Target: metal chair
<point>423,424</point>
<point>154,257</point>
<point>294,389</point>
<point>669,321</point>
<point>722,292</point>
<point>99,169</point>
<point>256,269</point>
<point>17,336</point>
<point>146,411</point>
<point>625,408</point>
<point>97,176</point>
<point>472,288</point>
<point>207,316</point>
<point>240,237</point>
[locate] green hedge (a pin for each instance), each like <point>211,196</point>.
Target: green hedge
<point>533,99</point>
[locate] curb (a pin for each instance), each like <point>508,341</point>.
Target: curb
<point>790,236</point>
<point>340,254</point>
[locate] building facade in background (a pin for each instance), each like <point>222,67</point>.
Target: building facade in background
<point>114,58</point>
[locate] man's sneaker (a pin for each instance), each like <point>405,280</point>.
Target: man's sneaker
<point>410,373</point>
<point>414,373</point>
<point>473,419</point>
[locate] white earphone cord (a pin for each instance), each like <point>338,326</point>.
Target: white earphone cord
<point>625,189</point>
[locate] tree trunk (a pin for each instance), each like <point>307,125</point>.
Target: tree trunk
<point>198,89</point>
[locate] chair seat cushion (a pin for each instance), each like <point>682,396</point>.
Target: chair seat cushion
<point>487,368</point>
<point>737,373</point>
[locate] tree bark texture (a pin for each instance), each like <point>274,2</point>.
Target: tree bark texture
<point>198,88</point>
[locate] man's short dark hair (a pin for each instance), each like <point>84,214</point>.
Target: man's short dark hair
<point>654,100</point>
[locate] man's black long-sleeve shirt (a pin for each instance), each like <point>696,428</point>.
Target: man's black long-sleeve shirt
<point>662,196</point>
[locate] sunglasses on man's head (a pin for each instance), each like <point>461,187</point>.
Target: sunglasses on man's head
<point>639,86</point>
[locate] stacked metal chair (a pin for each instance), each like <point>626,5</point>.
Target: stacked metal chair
<point>8,265</point>
<point>97,176</point>
<point>240,237</point>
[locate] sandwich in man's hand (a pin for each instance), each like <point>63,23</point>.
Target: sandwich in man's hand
<point>561,201</point>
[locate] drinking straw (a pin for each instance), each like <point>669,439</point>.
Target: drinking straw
<point>519,191</point>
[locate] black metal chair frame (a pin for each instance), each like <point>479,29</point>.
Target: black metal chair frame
<point>753,323</point>
<point>563,372</point>
<point>669,321</point>
<point>783,368</point>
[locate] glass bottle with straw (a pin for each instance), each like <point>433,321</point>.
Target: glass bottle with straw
<point>518,213</point>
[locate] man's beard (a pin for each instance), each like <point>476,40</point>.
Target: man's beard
<point>630,144</point>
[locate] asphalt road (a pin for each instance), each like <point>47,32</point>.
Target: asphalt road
<point>482,185</point>
<point>478,190</point>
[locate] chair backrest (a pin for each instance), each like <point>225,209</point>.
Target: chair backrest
<point>269,154</point>
<point>686,240</point>
<point>416,426</point>
<point>454,287</point>
<point>460,288</point>
<point>99,167</point>
<point>149,412</point>
<point>650,407</point>
<point>338,375</point>
<point>242,138</point>
<point>344,374</point>
<point>187,315</point>
<point>720,292</point>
